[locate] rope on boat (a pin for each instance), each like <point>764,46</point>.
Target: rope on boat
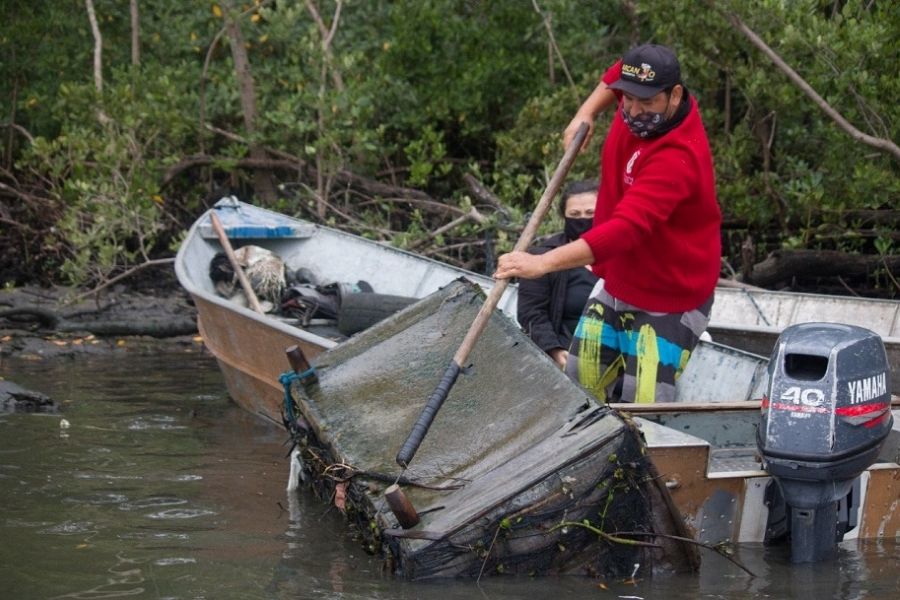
<point>286,379</point>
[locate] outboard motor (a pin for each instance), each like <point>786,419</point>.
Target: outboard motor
<point>824,418</point>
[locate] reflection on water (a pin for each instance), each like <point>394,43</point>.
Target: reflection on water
<point>161,488</point>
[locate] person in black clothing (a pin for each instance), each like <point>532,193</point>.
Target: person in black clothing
<point>549,307</point>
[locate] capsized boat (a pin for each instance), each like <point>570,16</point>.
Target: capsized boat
<point>248,346</point>
<point>521,472</point>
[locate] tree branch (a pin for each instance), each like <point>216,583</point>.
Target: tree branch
<point>481,192</point>
<point>556,50</point>
<point>879,143</point>
<point>135,33</point>
<point>327,35</point>
<point>123,275</point>
<point>472,215</point>
<point>16,127</point>
<point>717,548</point>
<point>201,160</point>
<point>98,45</point>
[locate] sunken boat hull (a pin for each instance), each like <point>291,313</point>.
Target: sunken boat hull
<point>521,472</point>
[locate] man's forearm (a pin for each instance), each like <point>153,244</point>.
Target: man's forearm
<point>568,256</point>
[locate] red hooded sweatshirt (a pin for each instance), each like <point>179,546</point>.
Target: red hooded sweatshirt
<point>656,237</point>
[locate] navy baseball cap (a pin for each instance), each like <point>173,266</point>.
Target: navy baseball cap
<point>647,70</point>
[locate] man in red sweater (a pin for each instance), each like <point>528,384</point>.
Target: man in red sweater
<point>655,241</point>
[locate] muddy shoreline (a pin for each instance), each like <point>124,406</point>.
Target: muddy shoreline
<point>42,323</point>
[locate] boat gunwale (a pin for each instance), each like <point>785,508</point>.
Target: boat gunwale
<point>774,331</point>
<point>795,298</point>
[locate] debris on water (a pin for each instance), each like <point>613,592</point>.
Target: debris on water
<point>296,474</point>
<point>15,398</point>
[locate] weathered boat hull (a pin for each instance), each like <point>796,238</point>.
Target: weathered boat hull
<point>752,320</point>
<point>521,472</point>
<point>708,458</point>
<point>248,346</point>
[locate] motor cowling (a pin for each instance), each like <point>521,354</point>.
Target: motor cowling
<point>824,419</point>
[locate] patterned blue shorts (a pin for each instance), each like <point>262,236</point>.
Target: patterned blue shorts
<point>621,353</point>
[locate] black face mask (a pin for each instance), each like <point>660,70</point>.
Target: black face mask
<point>576,227</point>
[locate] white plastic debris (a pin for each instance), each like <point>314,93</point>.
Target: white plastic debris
<point>296,474</point>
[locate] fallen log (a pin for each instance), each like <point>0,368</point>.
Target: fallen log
<point>158,327</point>
<point>782,266</point>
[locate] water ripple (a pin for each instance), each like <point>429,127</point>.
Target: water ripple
<point>70,528</point>
<point>160,535</point>
<point>162,422</point>
<point>181,513</point>
<point>152,502</point>
<point>167,562</point>
<point>186,478</point>
<point>97,499</point>
<point>106,476</point>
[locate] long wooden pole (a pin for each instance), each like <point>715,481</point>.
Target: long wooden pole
<point>239,271</point>
<point>409,448</point>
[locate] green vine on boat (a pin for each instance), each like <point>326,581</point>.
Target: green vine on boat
<point>722,549</point>
<point>586,524</point>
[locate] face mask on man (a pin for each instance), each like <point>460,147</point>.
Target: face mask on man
<point>576,227</point>
<point>646,124</point>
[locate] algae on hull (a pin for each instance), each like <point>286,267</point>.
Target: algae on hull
<point>516,450</point>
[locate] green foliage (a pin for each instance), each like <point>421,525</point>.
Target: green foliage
<point>426,156</point>
<point>419,93</point>
<point>781,149</point>
<point>104,169</point>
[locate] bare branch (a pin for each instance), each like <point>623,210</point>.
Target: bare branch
<point>386,233</point>
<point>200,160</point>
<point>553,44</point>
<point>481,192</point>
<point>20,129</point>
<point>98,45</point>
<point>879,143</point>
<point>887,270</point>
<point>718,548</point>
<point>327,36</point>
<point>135,33</point>
<point>432,205</point>
<point>473,215</point>
<point>123,275</point>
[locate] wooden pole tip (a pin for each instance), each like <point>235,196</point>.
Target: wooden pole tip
<point>401,507</point>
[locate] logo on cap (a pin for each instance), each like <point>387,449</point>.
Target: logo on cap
<point>644,73</point>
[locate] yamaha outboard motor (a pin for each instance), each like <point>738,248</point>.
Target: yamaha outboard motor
<point>824,419</point>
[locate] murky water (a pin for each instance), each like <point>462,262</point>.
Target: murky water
<point>162,488</point>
